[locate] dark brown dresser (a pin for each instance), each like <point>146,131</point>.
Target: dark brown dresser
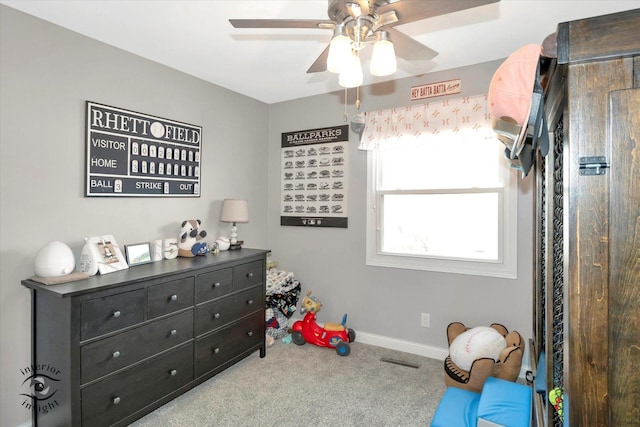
<point>120,345</point>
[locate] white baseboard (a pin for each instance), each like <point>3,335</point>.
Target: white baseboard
<point>402,345</point>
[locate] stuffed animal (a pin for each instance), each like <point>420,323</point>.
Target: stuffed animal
<point>556,398</point>
<point>190,242</point>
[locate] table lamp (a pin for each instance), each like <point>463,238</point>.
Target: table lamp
<point>234,211</point>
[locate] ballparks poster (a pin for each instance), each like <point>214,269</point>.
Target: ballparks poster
<point>314,177</point>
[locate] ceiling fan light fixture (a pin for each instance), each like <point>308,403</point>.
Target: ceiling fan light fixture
<point>383,58</point>
<point>339,50</point>
<point>351,74</point>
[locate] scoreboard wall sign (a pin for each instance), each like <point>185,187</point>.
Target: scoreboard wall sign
<point>135,154</point>
<point>313,189</point>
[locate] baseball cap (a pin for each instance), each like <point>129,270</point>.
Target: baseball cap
<point>516,106</point>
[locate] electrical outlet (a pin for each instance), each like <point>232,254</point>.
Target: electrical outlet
<point>425,320</point>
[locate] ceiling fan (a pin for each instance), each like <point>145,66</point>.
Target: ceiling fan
<point>356,23</point>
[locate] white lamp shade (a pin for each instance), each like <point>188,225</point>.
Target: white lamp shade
<point>339,53</point>
<point>383,59</point>
<point>234,210</point>
<point>351,75</point>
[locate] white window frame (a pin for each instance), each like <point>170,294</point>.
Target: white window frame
<point>504,267</point>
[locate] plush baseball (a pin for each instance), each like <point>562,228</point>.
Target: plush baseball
<point>476,343</point>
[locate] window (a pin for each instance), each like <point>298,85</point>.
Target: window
<point>440,195</point>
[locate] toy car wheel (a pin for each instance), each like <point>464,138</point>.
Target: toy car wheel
<point>352,334</point>
<point>343,348</point>
<point>298,338</point>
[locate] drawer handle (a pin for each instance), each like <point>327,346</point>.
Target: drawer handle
<point>250,333</point>
<point>173,372</point>
<point>173,332</point>
<point>249,274</point>
<point>217,285</point>
<point>116,400</point>
<point>216,316</point>
<point>249,301</point>
<point>216,350</point>
<point>116,354</point>
<point>173,297</point>
<point>116,313</point>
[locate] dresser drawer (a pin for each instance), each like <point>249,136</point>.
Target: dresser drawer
<point>107,314</point>
<point>225,344</point>
<point>123,394</point>
<point>110,354</point>
<point>248,274</point>
<point>217,313</point>
<point>169,297</point>
<point>214,284</point>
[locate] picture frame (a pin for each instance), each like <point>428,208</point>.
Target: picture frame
<point>106,253</point>
<point>138,253</point>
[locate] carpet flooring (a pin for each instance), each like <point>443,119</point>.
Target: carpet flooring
<point>311,386</point>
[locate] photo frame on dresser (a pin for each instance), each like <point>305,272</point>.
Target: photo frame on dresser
<point>138,253</point>
<point>107,254</point>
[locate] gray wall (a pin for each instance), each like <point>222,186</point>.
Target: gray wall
<point>47,73</point>
<point>387,302</point>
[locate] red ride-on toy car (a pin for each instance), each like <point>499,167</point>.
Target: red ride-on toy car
<point>331,335</point>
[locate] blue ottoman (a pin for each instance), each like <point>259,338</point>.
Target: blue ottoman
<point>457,408</point>
<point>501,404</point>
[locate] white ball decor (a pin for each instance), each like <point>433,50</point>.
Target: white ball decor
<point>223,243</point>
<point>476,343</point>
<point>54,259</point>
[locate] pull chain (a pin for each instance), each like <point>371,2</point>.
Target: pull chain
<point>346,116</point>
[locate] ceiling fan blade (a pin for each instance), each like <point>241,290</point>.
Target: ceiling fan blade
<point>281,23</point>
<point>408,48</point>
<point>320,63</point>
<point>412,10</point>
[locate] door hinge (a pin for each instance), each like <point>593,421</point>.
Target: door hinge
<point>595,165</point>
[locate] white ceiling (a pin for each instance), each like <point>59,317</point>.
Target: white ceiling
<point>270,64</point>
